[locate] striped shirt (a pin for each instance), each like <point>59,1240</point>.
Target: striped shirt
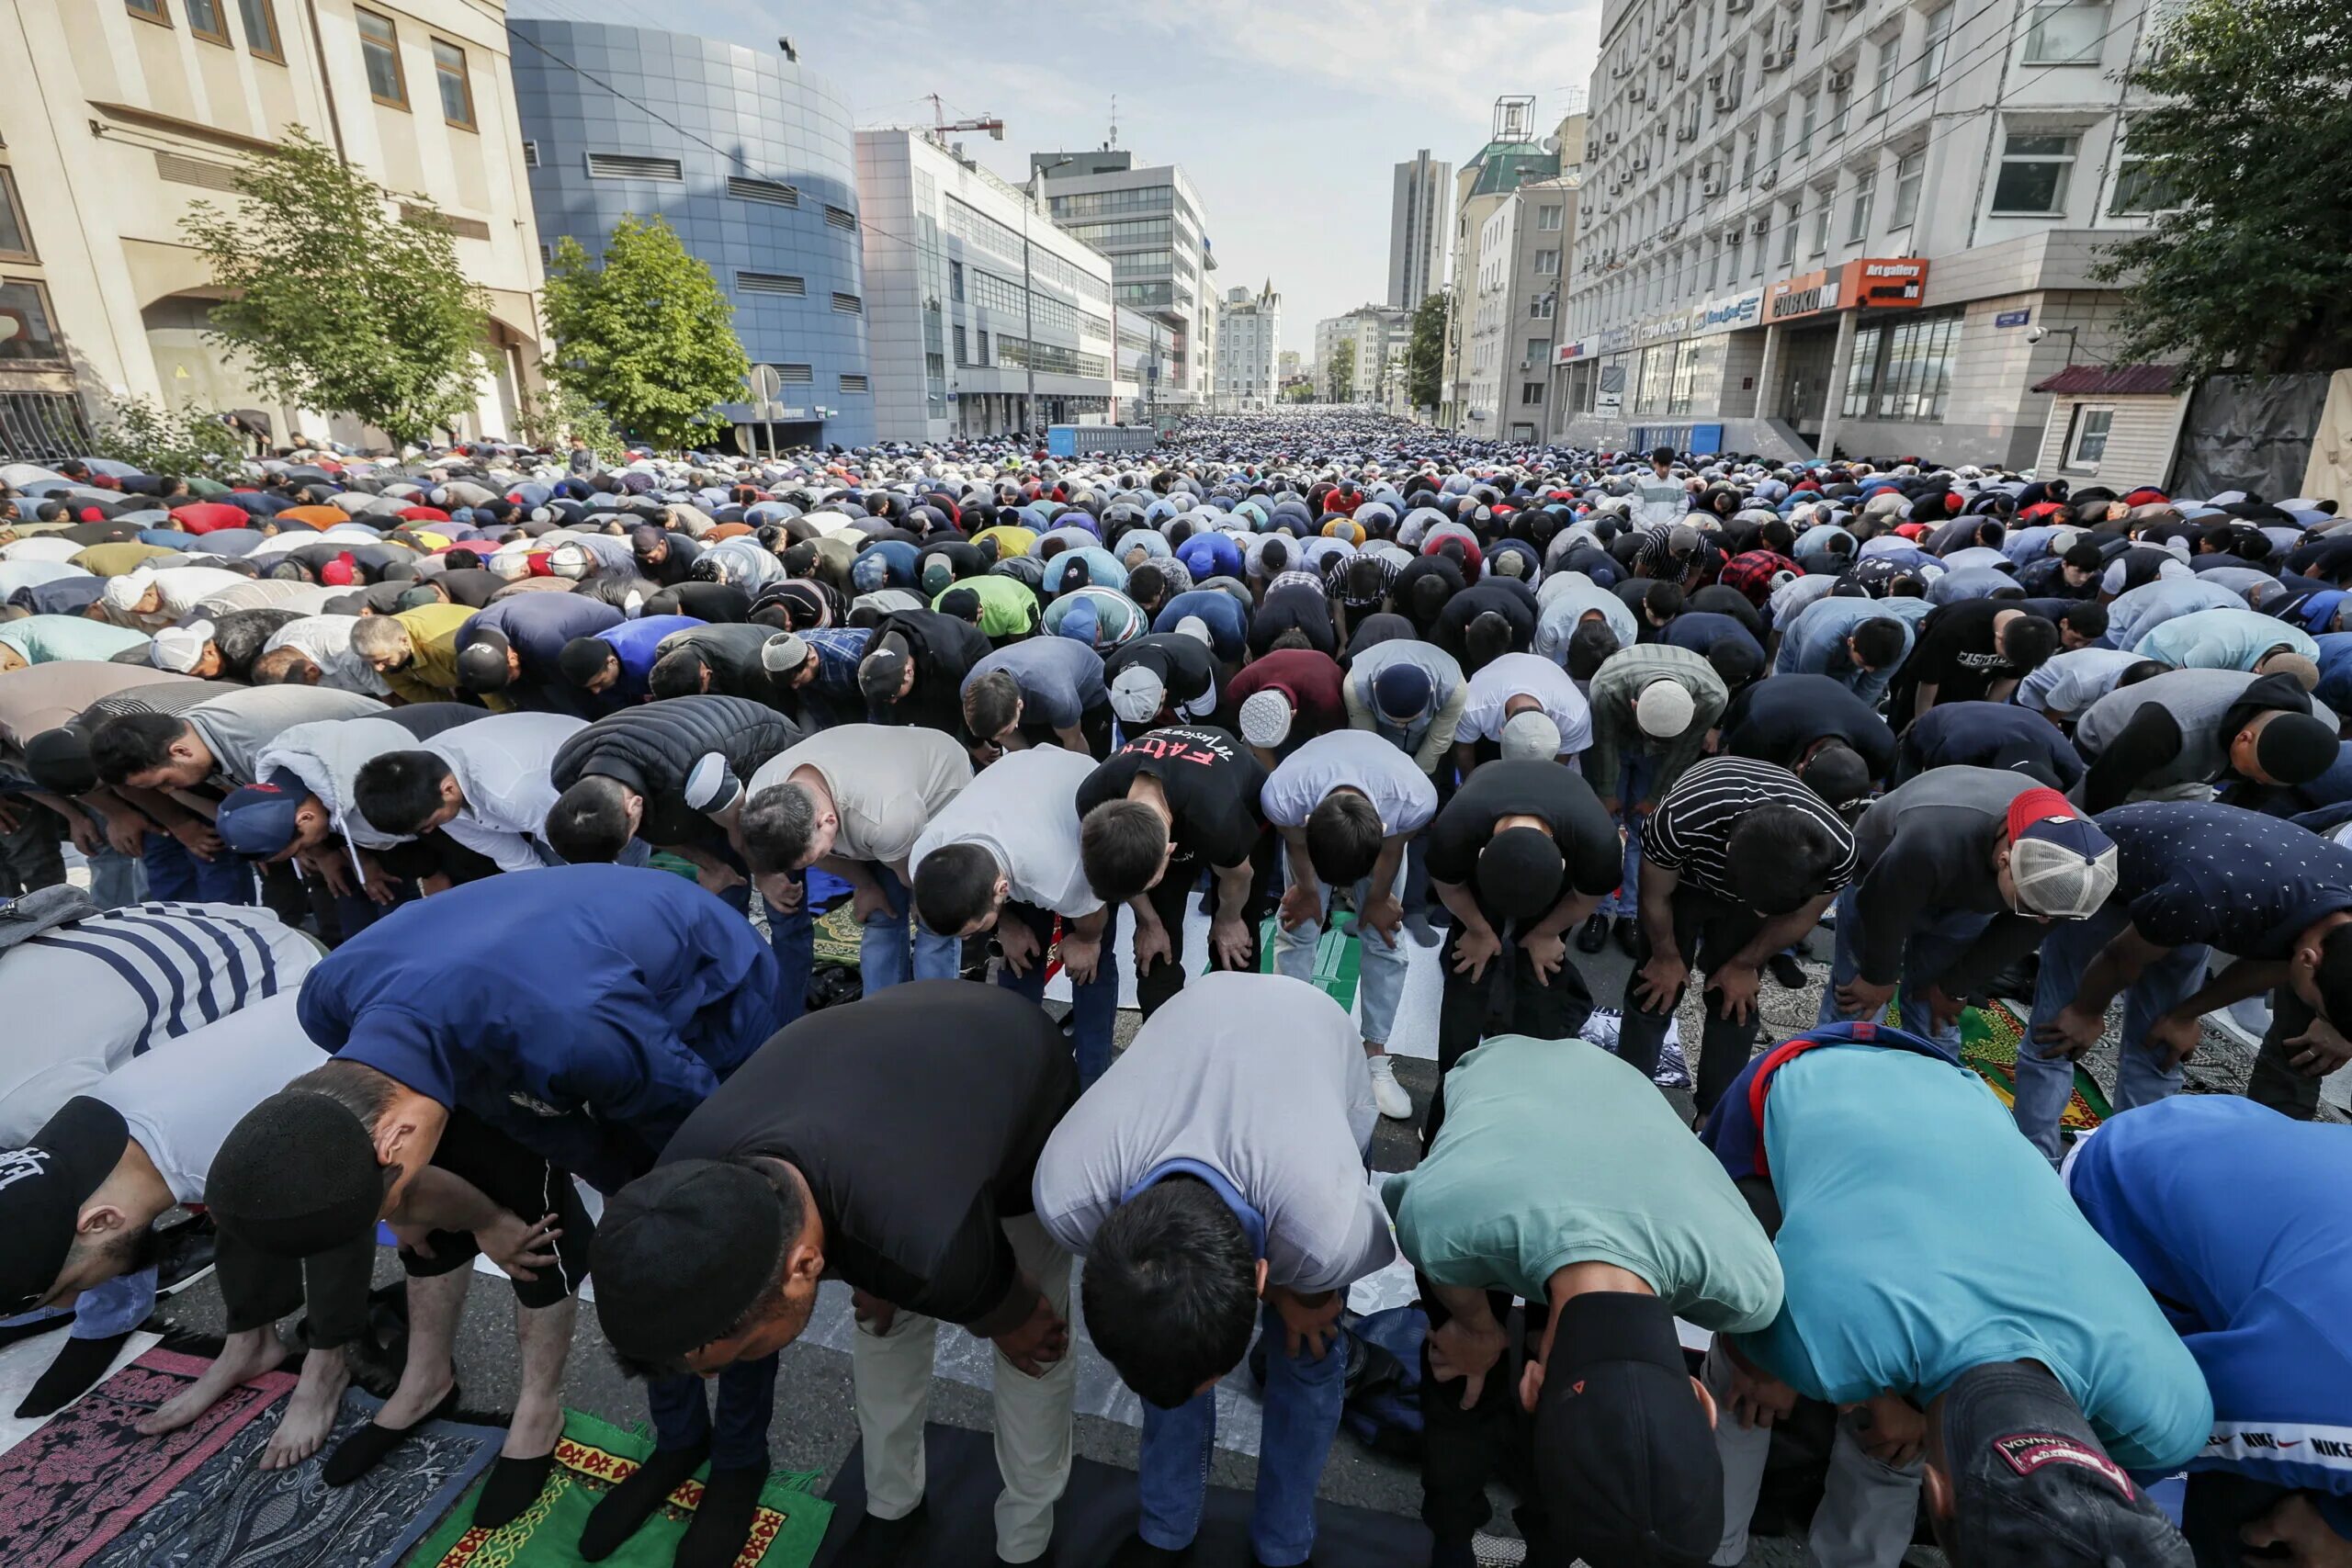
<point>172,697</point>
<point>1690,830</point>
<point>84,998</point>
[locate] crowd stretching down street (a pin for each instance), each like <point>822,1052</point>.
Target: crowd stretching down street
<point>686,881</point>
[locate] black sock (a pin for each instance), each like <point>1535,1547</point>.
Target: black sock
<point>621,1511</point>
<point>1137,1552</point>
<point>514,1485</point>
<point>1453,1551</point>
<point>881,1544</point>
<point>723,1520</point>
<point>80,1363</point>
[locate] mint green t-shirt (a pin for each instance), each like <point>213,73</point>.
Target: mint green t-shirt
<point>1554,1152</point>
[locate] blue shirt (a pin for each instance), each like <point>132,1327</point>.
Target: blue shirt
<point>2255,1282</point>
<point>636,641</point>
<point>1700,630</point>
<point>2196,871</point>
<point>1895,1283</point>
<point>1227,622</point>
<point>1994,735</point>
<point>1815,643</point>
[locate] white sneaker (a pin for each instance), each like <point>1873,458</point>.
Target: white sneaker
<point>1386,1092</point>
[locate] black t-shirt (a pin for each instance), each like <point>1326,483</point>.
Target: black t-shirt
<point>917,1116</point>
<point>1776,720</point>
<point>1212,783</point>
<point>1957,652</point>
<point>1534,787</point>
<point>1298,606</point>
<point>713,601</point>
<point>1185,665</point>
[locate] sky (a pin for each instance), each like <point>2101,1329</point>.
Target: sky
<point>1288,118</point>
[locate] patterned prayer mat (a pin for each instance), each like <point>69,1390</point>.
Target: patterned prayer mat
<point>1988,1044</point>
<point>1337,963</point>
<point>591,1457</point>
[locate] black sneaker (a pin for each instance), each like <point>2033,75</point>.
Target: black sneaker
<point>1787,973</point>
<point>1594,934</point>
<point>1628,937</point>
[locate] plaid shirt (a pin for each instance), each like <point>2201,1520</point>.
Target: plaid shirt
<point>1751,572</point>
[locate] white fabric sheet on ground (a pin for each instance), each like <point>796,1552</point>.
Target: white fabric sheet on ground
<point>21,1365</point>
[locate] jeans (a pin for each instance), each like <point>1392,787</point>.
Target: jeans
<point>1867,1509</point>
<point>114,879</point>
<point>738,1436</point>
<point>175,877</point>
<point>115,1307</point>
<point>1381,973</point>
<point>883,945</point>
<point>1302,1417</point>
<point>1634,776</point>
<point>1927,956</point>
<point>2043,1083</point>
<point>1095,1007</point>
<point>792,937</point>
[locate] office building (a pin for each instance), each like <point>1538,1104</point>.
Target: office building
<point>1513,303</point>
<point>1146,218</point>
<point>744,154</point>
<point>125,111</point>
<point>1248,334</point>
<point>1833,226</point>
<point>983,316</point>
<point>1421,228</point>
<point>1378,336</point>
<point>1515,153</point>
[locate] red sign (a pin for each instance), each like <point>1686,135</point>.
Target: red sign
<point>1872,283</point>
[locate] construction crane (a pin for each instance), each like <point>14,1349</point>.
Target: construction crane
<point>941,125</point>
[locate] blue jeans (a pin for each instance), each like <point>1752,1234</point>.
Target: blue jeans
<point>1381,972</point>
<point>117,1307</point>
<point>1927,956</point>
<point>1634,776</point>
<point>792,937</point>
<point>1095,1007</point>
<point>738,1436</point>
<point>2043,1084</point>
<point>175,877</point>
<point>883,946</point>
<point>1302,1416</point>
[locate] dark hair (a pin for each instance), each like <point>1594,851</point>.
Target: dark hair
<point>677,674</point>
<point>1878,642</point>
<point>277,668</point>
<point>1273,556</point>
<point>1779,856</point>
<point>1171,1290</point>
<point>1662,455</point>
<point>2086,619</point>
<point>1486,638</point>
<point>963,604</point>
<point>2333,977</point>
<point>1590,645</point>
<point>363,1090</point>
<point>2083,557</point>
<point>1295,636</point>
<point>1429,594</point>
<point>1120,844</point>
<point>1343,837</point>
<point>133,743</point>
<point>398,790</point>
<point>240,640</point>
<point>1663,600</point>
<point>955,885</point>
<point>2146,670</point>
<point>2029,641</point>
<point>588,824</point>
<point>990,702</point>
<point>1734,660</point>
<point>778,824</point>
<point>1147,582</point>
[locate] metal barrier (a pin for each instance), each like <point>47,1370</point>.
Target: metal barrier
<point>42,427</point>
<point>1086,440</point>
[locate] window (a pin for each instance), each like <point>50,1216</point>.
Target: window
<point>1539,307</point>
<point>853,386</point>
<point>1685,393</point>
<point>16,242</point>
<point>1858,226</point>
<point>1547,263</point>
<point>456,87</point>
<point>205,21</point>
<point>380,46</point>
<point>1820,240</point>
<point>1841,105</point>
<point>1530,394</point>
<point>2140,186</point>
<point>1861,371</point>
<point>1788,235</point>
<point>1916,374</point>
<point>2067,33</point>
<point>634,167</point>
<point>2034,170</point>
<point>963,346</point>
<point>848,305</point>
<point>1934,47</point>
<point>771,283</point>
<point>1548,218</point>
<point>2087,435</point>
<point>261,30</point>
<point>955,281</point>
<point>1539,349</point>
<point>1883,92</point>
<point>530,154</point>
<point>1908,170</point>
<point>1808,112</point>
<point>25,306</point>
<point>149,10</point>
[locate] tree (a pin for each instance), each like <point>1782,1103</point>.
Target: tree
<point>1301,393</point>
<point>547,418</point>
<point>1425,352</point>
<point>645,333</point>
<point>1339,376</point>
<point>190,442</point>
<point>338,304</point>
<point>2250,267</point>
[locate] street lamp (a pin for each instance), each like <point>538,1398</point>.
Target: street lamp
<point>1029,197</point>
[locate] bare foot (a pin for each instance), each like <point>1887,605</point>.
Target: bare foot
<point>414,1399</point>
<point>310,1412</point>
<point>538,1424</point>
<point>245,1356</point>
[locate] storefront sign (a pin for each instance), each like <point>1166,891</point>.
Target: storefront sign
<point>1567,352</point>
<point>2013,317</point>
<point>1874,282</point>
<point>1614,339</point>
<point>1807,294</point>
<point>1658,327</point>
<point>1729,312</point>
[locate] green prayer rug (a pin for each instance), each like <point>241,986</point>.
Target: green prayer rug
<point>1337,960</point>
<point>590,1457</point>
<point>1988,1044</point>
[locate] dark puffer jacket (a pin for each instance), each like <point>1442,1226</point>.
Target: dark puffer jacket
<point>652,747</point>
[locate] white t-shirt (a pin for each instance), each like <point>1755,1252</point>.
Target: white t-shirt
<point>1023,809</point>
<point>503,766</point>
<point>1512,674</point>
<point>1361,760</point>
<point>181,1099</point>
<point>888,781</point>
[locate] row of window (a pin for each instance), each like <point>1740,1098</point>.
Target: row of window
<point>206,20</point>
<point>380,50</point>
<point>1108,203</point>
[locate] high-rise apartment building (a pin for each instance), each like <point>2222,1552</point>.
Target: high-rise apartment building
<point>1248,339</point>
<point>1420,227</point>
<point>1146,218</point>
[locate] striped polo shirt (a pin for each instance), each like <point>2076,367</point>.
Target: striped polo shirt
<point>1690,830</point>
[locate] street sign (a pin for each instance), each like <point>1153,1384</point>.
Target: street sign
<point>2013,317</point>
<point>765,383</point>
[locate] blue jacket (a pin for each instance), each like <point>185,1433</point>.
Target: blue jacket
<point>582,1010</point>
<point>635,642</point>
<point>1814,644</point>
<point>537,626</point>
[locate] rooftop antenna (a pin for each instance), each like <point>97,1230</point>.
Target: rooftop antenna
<point>1114,124</point>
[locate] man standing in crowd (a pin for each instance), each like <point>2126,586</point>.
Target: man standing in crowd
<point>1652,709</point>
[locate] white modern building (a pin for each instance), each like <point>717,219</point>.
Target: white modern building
<point>1146,218</point>
<point>1249,346</point>
<point>1379,335</point>
<point>983,316</point>
<point>1421,228</point>
<point>1833,225</point>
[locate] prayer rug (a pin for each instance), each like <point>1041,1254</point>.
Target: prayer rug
<point>21,1365</point>
<point>838,938</point>
<point>1338,962</point>
<point>590,1457</point>
<point>69,1489</point>
<point>1988,1044</point>
<point>231,1514</point>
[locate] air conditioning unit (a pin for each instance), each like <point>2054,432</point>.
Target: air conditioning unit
<point>1841,81</point>
<point>1665,56</point>
<point>1762,225</point>
<point>1608,139</point>
<point>1726,101</point>
<point>1711,187</point>
<point>1768,179</point>
<point>1733,7</point>
<point>1778,59</point>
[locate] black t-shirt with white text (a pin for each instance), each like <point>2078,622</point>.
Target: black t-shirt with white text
<point>1212,783</point>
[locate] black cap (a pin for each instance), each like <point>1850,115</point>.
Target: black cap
<point>682,1254</point>
<point>58,761</point>
<point>297,1177</point>
<point>42,1188</point>
<point>481,663</point>
<point>1518,873</point>
<point>1623,1452</point>
<point>2031,1486</point>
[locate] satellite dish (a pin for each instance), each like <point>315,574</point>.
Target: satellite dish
<point>1550,144</point>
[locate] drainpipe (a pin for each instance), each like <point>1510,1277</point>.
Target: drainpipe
<point>326,81</point>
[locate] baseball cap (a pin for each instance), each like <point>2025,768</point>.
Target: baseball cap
<point>1402,693</point>
<point>665,1283</point>
<point>1664,709</point>
<point>1531,734</point>
<point>1265,718</point>
<point>1194,627</point>
<point>783,655</point>
<point>122,593</point>
<point>1138,694</point>
<point>42,1188</point>
<point>1518,873</point>
<point>481,663</point>
<point>417,598</point>
<point>2031,1486</point>
<point>257,821</point>
<point>2063,865</point>
<point>181,648</point>
<point>1839,775</point>
<point>938,575</point>
<point>1623,1452</point>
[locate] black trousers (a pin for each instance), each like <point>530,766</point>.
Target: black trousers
<point>1507,1000</point>
<point>1464,1450</point>
<point>2216,1504</point>
<point>522,1184</point>
<point>2273,1082</point>
<point>1707,932</point>
<point>1169,898</point>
